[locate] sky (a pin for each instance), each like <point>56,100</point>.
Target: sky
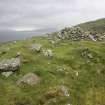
<point>23,15</point>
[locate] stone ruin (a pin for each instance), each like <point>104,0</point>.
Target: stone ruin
<point>74,34</point>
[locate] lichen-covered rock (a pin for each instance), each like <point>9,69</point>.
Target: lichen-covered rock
<point>92,37</point>
<point>18,54</point>
<point>64,90</point>
<point>86,53</point>
<point>48,53</point>
<point>10,65</point>
<point>36,47</point>
<point>7,74</point>
<point>30,79</point>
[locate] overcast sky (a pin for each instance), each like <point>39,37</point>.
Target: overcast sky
<point>22,15</point>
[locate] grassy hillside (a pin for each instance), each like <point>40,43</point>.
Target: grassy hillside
<point>94,26</point>
<point>86,88</point>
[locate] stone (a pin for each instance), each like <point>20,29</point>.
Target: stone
<point>68,104</point>
<point>64,91</point>
<point>14,42</point>
<point>18,54</point>
<point>59,91</point>
<point>29,79</point>
<point>53,93</point>
<point>85,52</point>
<point>77,73</point>
<point>36,47</point>
<point>7,74</point>
<point>52,42</point>
<point>48,53</point>
<point>12,64</point>
<point>90,56</point>
<point>92,37</point>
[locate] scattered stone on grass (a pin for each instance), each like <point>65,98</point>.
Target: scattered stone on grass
<point>18,54</point>
<point>85,52</point>
<point>48,53</point>
<point>92,37</point>
<point>77,73</point>
<point>29,79</point>
<point>53,93</point>
<point>36,47</point>
<point>7,74</point>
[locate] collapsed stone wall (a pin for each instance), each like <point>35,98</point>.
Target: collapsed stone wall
<point>75,34</point>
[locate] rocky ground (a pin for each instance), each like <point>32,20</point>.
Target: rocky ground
<point>65,68</point>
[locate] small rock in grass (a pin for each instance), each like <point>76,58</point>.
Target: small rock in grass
<point>64,90</point>
<point>7,74</point>
<point>92,37</point>
<point>36,47</point>
<point>48,53</point>
<point>77,73</point>
<point>29,79</point>
<point>52,42</point>
<point>18,54</point>
<point>53,93</point>
<point>90,55</point>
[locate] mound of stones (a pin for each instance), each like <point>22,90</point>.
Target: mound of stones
<point>12,64</point>
<point>74,34</point>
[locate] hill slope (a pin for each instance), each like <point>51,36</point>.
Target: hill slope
<point>83,75</point>
<point>75,75</point>
<point>97,26</point>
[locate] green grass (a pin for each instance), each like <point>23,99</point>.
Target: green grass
<point>97,26</point>
<point>86,89</point>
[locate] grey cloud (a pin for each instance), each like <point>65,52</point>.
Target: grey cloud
<point>48,13</point>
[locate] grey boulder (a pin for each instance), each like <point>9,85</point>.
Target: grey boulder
<point>10,65</point>
<point>29,79</point>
